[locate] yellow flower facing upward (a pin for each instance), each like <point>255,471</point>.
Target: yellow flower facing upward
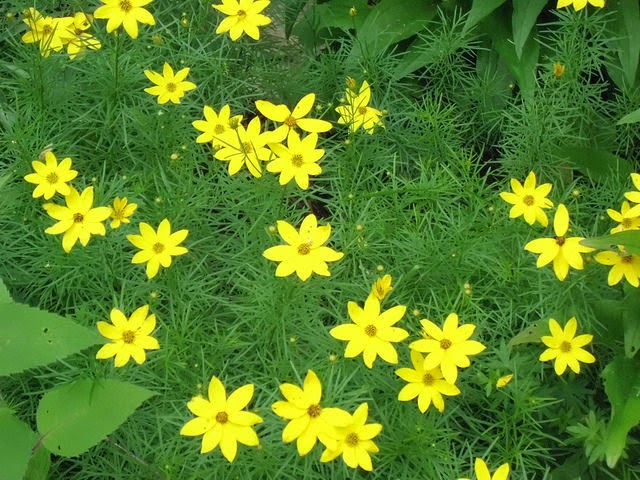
<point>121,211</point>
<point>222,421</point>
<point>157,247</point>
<point>580,4</point>
<point>372,332</point>
<point>622,264</point>
<point>448,348</point>
<point>628,217</point>
<point>125,13</point>
<point>51,177</point>
<point>52,34</point>
<point>169,87</point>
<point>245,147</point>
<point>130,338</point>
<point>565,348</point>
<point>82,39</point>
<point>308,421</point>
<point>217,127</point>
<point>305,252</point>
<point>382,287</point>
<point>355,441</point>
<point>428,385</point>
<point>243,16</point>
<point>78,220</point>
<point>297,160</point>
<point>357,113</point>
<point>529,200</point>
<point>562,251</point>
<point>482,471</point>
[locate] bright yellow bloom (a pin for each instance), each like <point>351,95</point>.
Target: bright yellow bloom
<point>580,4</point>
<point>449,348</point>
<point>243,16</point>
<point>529,200</point>
<point>51,176</point>
<point>565,347</point>
<point>157,248</point>
<point>504,381</point>
<point>562,251</point>
<point>51,33</point>
<point>126,13</point>
<point>247,146</point>
<point>355,441</point>
<point>78,220</point>
<point>169,87</point>
<point>628,217</point>
<point>223,421</point>
<point>305,253</point>
<point>356,112</point>
<point>381,287</point>
<point>482,471</point>
<point>371,332</point>
<point>217,128</point>
<point>427,385</point>
<point>296,160</point>
<point>308,421</point>
<point>622,264</point>
<point>558,70</point>
<point>121,211</point>
<point>634,196</point>
<point>82,40</point>
<point>129,337</point>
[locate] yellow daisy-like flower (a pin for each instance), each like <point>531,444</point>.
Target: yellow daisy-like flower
<point>449,348</point>
<point>382,287</point>
<point>126,13</point>
<point>169,87</point>
<point>308,421</point>
<point>130,338</point>
<point>529,200</point>
<point>217,127</point>
<point>305,253</point>
<point>372,332</point>
<point>297,160</point>
<point>51,33</point>
<point>562,251</point>
<point>622,264</point>
<point>157,248</point>
<point>51,176</point>
<point>121,211</point>
<point>580,4</point>
<point>78,220</point>
<point>243,16</point>
<point>565,347</point>
<point>634,196</point>
<point>245,147</point>
<point>428,385</point>
<point>222,421</point>
<point>82,39</point>
<point>357,113</point>
<point>482,471</point>
<point>628,217</point>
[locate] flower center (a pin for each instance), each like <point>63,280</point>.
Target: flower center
<point>117,214</point>
<point>427,379</point>
<point>47,29</point>
<point>304,249</point>
<point>370,330</point>
<point>362,110</point>
<point>314,410</point>
<point>52,178</point>
<point>219,129</point>
<point>528,200</point>
<point>297,160</point>
<point>128,336</point>
<point>565,347</point>
<point>158,247</point>
<point>445,343</point>
<point>560,241</point>
<point>171,87</point>
<point>626,222</point>
<point>352,439</point>
<point>222,417</point>
<point>242,14</point>
<point>627,259</point>
<point>290,122</point>
<point>247,147</point>
<point>125,6</point>
<point>78,217</point>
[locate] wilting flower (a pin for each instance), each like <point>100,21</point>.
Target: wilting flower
<point>217,127</point>
<point>245,147</point>
<point>356,112</point>
<point>169,87</point>
<point>51,176</point>
<point>121,211</point>
<point>243,16</point>
<point>565,348</point>
<point>482,471</point>
<point>579,4</point>
<point>297,160</point>
<point>529,200</point>
<point>126,13</point>
<point>382,287</point>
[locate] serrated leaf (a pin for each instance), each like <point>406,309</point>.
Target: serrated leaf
<point>480,9</point>
<point>598,164</point>
<point>629,239</point>
<point>75,417</point>
<point>633,117</point>
<point>16,443</point>
<point>30,337</point>
<point>525,15</point>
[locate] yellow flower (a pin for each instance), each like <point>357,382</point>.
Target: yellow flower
<point>580,4</point>
<point>129,337</point>
<point>355,441</point>
<point>529,200</point>
<point>223,421</point>
<point>482,471</point>
<point>623,264</point>
<point>51,176</point>
<point>296,160</point>
<point>157,248</point>
<point>169,87</point>
<point>634,196</point>
<point>357,112</point>
<point>308,421</point>
<point>51,33</point>
<point>504,381</point>
<point>81,40</point>
<point>245,146</point>
<point>562,251</point>
<point>382,287</point>
<point>126,13</point>
<point>217,128</point>
<point>243,16</point>
<point>565,347</point>
<point>371,332</point>
<point>121,211</point>
<point>78,220</point>
<point>558,69</point>
<point>427,385</point>
<point>449,348</point>
<point>628,217</point>
<point>305,253</point>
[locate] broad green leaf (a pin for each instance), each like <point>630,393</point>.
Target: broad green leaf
<point>525,15</point>
<point>335,14</point>
<point>75,417</point>
<point>30,337</point>
<point>631,322</point>
<point>598,164</point>
<point>39,465</point>
<point>629,39</point>
<point>633,117</point>
<point>292,10</point>
<point>622,386</point>
<point>16,444</point>
<point>4,294</point>
<point>630,239</point>
<point>531,334</point>
<point>480,9</point>
<point>609,314</point>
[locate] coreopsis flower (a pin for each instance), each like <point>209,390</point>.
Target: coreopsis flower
<point>449,348</point>
<point>78,220</point>
<point>157,247</point>
<point>169,87</point>
<point>622,264</point>
<point>51,33</point>
<point>126,13</point>
<point>579,4</point>
<point>292,119</point>
<point>51,177</point>
<point>372,332</point>
<point>245,147</point>
<point>628,217</point>
<point>130,338</point>
<point>82,39</point>
<point>355,441</point>
<point>121,211</point>
<point>243,16</point>
<point>529,200</point>
<point>504,381</point>
<point>558,70</point>
<point>382,287</point>
<point>305,252</point>
<point>428,385</point>
<point>308,421</point>
<point>634,196</point>
<point>356,112</point>
<point>565,348</point>
<point>217,127</point>
<point>482,471</point>
<point>221,420</point>
<point>297,160</point>
<point>562,251</point>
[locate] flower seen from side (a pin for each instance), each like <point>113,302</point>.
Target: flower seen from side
<point>628,217</point>
<point>382,287</point>
<point>121,211</point>
<point>298,160</point>
<point>356,112</point>
<point>245,147</point>
<point>634,195</point>
<point>529,200</point>
<point>51,33</point>
<point>242,16</point>
<point>82,39</point>
<point>125,13</point>
<point>217,127</point>
<point>482,471</point>
<point>558,70</point>
<point>565,348</point>
<point>504,381</point>
<point>623,265</point>
<point>580,4</point>
<point>51,177</point>
<point>169,87</point>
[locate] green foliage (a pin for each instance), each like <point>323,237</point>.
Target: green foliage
<point>633,117</point>
<point>629,239</point>
<point>596,163</point>
<point>17,443</point>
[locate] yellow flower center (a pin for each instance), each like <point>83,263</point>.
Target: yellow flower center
<point>304,249</point>
<point>528,200</point>
<point>370,330</point>
<point>158,247</point>
<point>297,160</point>
<point>171,87</point>
<point>352,439</point>
<point>362,110</point>
<point>52,178</point>
<point>222,417</point>
<point>445,343</point>
<point>428,379</point>
<point>78,217</point>
<point>247,147</point>
<point>125,6</point>
<point>565,347</point>
<point>242,14</point>
<point>314,410</point>
<point>290,122</point>
<point>626,223</point>
<point>560,241</point>
<point>117,214</point>
<point>128,336</point>
<point>218,129</point>
<point>627,259</point>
